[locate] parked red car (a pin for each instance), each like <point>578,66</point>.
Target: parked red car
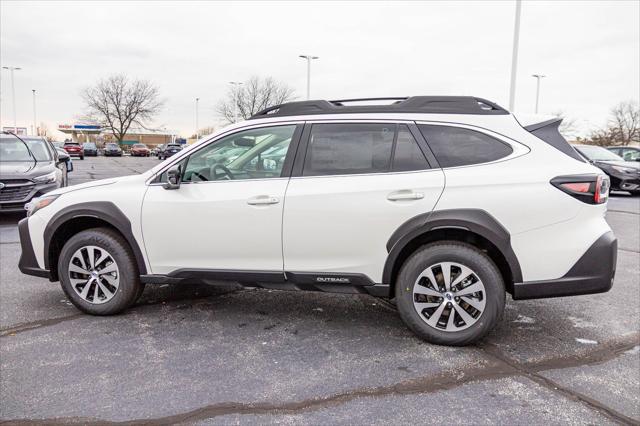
<point>74,149</point>
<point>140,150</point>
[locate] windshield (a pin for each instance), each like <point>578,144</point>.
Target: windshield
<point>89,145</point>
<point>13,150</point>
<point>139,145</point>
<point>596,153</point>
<point>112,145</point>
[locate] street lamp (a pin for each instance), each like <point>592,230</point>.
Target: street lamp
<point>309,58</point>
<point>236,86</point>
<point>514,57</point>
<point>197,127</point>
<point>538,78</point>
<point>34,131</point>
<point>13,95</point>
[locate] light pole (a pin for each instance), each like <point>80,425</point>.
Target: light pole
<point>197,127</point>
<point>13,96</point>
<point>35,128</point>
<point>236,85</point>
<point>309,58</point>
<point>538,78</point>
<point>514,57</point>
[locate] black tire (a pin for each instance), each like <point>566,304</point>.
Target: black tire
<point>82,157</point>
<point>465,254</point>
<point>129,288</point>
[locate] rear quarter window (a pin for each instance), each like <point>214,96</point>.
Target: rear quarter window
<point>456,146</point>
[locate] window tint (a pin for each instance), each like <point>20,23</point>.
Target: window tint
<point>345,148</point>
<point>408,155</point>
<point>250,154</point>
<point>454,146</point>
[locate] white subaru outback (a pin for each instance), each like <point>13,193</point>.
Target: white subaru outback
<point>443,203</point>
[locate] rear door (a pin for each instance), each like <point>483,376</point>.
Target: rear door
<point>353,185</point>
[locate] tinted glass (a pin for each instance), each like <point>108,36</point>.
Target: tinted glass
<point>250,154</point>
<point>408,155</point>
<point>455,146</point>
<point>338,149</point>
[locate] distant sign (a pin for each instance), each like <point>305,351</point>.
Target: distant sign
<point>94,127</point>
<point>20,131</point>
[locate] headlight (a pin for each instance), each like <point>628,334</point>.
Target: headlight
<point>48,178</point>
<point>39,203</point>
<point>624,169</point>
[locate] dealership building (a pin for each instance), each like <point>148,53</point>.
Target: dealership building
<point>87,132</point>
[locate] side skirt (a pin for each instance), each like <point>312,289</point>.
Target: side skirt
<point>292,281</point>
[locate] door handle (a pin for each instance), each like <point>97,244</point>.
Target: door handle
<point>262,200</point>
<point>405,195</point>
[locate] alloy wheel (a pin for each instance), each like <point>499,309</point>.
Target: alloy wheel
<point>94,274</point>
<point>449,296</point>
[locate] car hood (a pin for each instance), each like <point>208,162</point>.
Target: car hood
<point>629,164</point>
<point>25,169</point>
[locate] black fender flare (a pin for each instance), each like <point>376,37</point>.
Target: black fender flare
<point>103,210</point>
<point>474,220</point>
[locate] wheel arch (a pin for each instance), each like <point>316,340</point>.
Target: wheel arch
<point>79,217</point>
<point>472,226</point>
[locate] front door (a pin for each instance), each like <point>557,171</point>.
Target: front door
<point>227,212</point>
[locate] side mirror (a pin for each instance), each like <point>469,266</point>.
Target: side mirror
<point>174,175</point>
<point>63,157</point>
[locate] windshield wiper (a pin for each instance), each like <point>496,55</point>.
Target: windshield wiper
<point>6,132</point>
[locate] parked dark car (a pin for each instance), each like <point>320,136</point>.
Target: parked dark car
<point>29,167</point>
<point>74,149</point>
<point>112,150</point>
<point>624,175</point>
<point>169,150</point>
<point>628,153</point>
<point>140,150</point>
<point>90,149</point>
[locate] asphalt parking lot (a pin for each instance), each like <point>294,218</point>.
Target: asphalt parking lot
<point>205,355</point>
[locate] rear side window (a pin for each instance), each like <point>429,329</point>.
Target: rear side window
<point>455,146</point>
<point>408,156</point>
<point>345,148</point>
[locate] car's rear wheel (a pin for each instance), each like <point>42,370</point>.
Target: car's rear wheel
<point>450,293</point>
<point>98,272</point>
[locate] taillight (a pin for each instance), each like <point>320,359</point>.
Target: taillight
<point>591,189</point>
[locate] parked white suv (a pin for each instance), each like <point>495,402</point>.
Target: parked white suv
<point>444,203</point>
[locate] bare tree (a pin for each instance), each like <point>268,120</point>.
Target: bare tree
<point>118,102</point>
<point>624,124</point>
<point>568,128</point>
<point>254,95</point>
<point>623,127</point>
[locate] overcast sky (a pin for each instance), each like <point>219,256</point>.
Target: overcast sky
<point>589,50</point>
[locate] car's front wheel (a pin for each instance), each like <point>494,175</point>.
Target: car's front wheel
<point>450,293</point>
<point>98,272</point>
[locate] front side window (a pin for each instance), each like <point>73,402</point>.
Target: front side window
<point>250,154</point>
<point>345,148</point>
<point>456,146</point>
<point>630,154</point>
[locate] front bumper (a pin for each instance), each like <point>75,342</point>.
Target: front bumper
<point>592,273</point>
<point>28,263</point>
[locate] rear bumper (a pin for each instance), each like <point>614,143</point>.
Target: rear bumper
<point>592,273</point>
<point>28,263</point>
